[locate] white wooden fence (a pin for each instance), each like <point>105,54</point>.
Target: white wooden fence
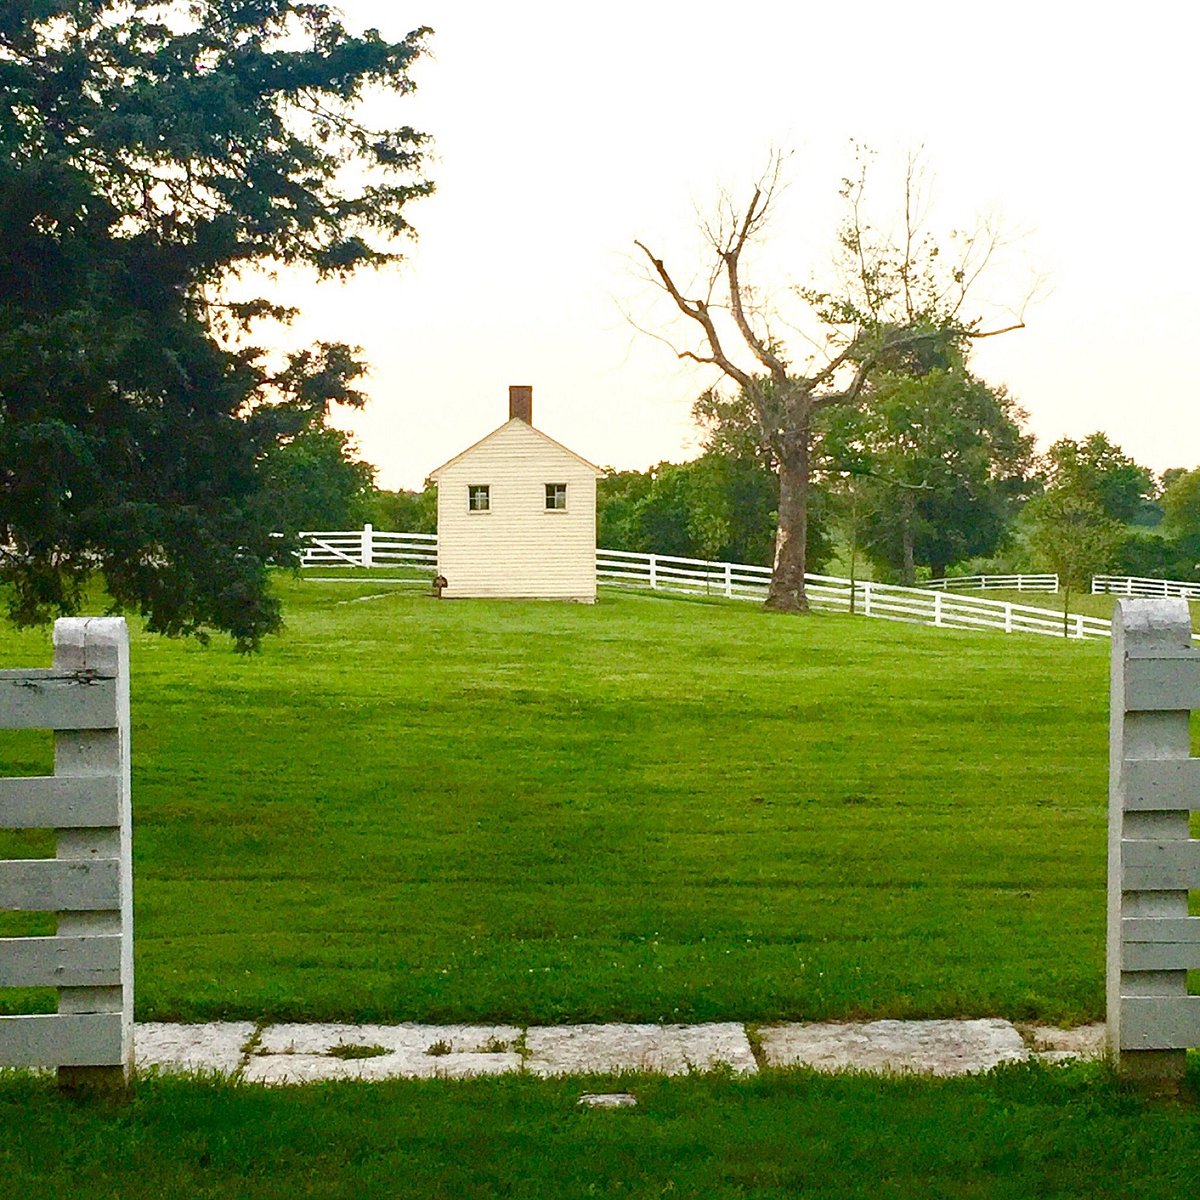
<point>1008,583</point>
<point>84,698</point>
<point>737,581</point>
<point>1154,786</point>
<point>742,581</point>
<point>368,547</point>
<point>1136,585</point>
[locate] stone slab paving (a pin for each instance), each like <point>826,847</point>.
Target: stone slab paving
<point>664,1049</point>
<point>927,1047</point>
<point>1060,1045</point>
<point>218,1046</point>
<point>305,1053</point>
<point>285,1053</point>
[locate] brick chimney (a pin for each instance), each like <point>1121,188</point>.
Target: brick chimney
<point>520,402</point>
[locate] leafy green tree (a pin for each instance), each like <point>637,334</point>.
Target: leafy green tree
<point>314,481</point>
<point>1181,505</point>
<point>149,153</point>
<point>618,495</point>
<point>662,517</point>
<point>403,511</point>
<point>940,463</point>
<point>1181,521</point>
<point>1074,536</point>
<point>1153,555</point>
<point>1095,468</point>
<point>1169,476</point>
<point>717,507</point>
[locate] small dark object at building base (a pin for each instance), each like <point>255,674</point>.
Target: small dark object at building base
<point>439,582</point>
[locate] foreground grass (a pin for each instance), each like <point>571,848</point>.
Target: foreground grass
<point>1016,1133</point>
<point>653,809</point>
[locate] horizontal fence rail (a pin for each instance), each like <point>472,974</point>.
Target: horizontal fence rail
<point>1151,589</point>
<point>983,583</point>
<point>930,604</point>
<point>84,698</point>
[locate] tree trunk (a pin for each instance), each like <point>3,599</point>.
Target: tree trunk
<point>909,567</point>
<point>786,593</point>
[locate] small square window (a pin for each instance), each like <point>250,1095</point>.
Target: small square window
<point>556,496</point>
<point>479,498</point>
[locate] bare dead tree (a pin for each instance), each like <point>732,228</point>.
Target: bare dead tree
<point>897,296</point>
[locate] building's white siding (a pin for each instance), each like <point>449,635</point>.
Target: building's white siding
<point>517,548</point>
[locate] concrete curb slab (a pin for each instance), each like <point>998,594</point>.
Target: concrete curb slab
<point>217,1046</point>
<point>295,1053</point>
<point>1064,1045</point>
<point>310,1053</point>
<point>927,1047</point>
<point>664,1049</point>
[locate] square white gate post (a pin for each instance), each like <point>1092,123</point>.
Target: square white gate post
<point>84,698</point>
<point>1153,786</point>
<point>99,645</point>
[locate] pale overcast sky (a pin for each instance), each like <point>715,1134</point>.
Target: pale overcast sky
<point>562,132</point>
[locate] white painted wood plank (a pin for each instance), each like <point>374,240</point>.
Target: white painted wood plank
<point>59,885</point>
<point>57,1040</point>
<point>1160,956</point>
<point>60,802</point>
<point>1160,1022</point>
<point>1160,866</point>
<point>1161,785</point>
<point>60,962</point>
<point>1162,684</point>
<point>56,699</point>
<point>1160,929</point>
<point>1160,944</point>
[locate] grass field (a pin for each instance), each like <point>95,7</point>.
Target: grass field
<point>650,809</point>
<point>1015,1134</point>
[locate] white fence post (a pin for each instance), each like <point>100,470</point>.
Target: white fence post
<point>1153,786</point>
<point>653,571</point>
<point>729,580</point>
<point>867,598</point>
<point>937,607</point>
<point>368,549</point>
<point>84,697</point>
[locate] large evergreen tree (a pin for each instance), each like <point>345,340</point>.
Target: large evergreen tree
<point>149,152</point>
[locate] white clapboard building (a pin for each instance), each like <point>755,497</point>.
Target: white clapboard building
<point>517,515</point>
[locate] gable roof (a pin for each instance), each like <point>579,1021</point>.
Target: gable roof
<point>517,421</point>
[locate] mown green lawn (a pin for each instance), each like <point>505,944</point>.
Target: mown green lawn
<point>649,809</point>
<point>1015,1134</point>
